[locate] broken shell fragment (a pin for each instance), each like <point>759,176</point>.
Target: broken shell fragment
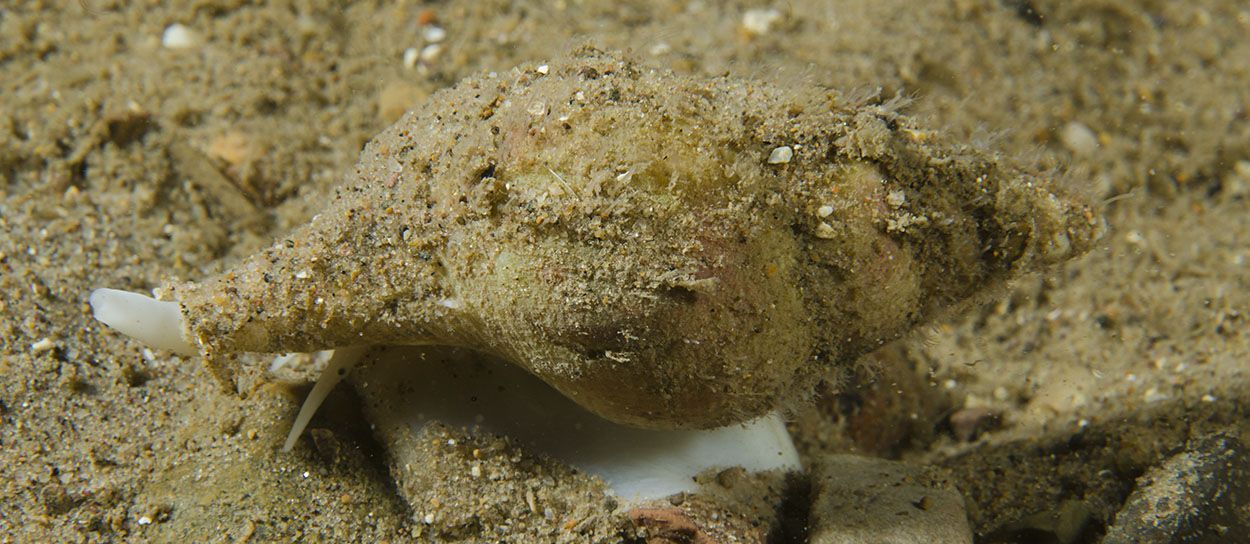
<point>697,291</point>
<point>155,323</point>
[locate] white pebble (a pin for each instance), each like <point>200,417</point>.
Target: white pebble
<point>433,34</point>
<point>42,346</point>
<point>179,36</point>
<point>411,55</point>
<point>1079,139</point>
<point>760,21</point>
<point>476,471</point>
<point>826,232</point>
<point>824,211</point>
<point>543,69</point>
<point>431,52</point>
<point>781,155</point>
<point>144,520</point>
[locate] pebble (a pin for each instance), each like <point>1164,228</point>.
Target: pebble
<point>1199,495</point>
<point>431,52</point>
<point>234,148</point>
<point>433,34</point>
<point>411,56</point>
<point>42,345</point>
<point>861,500</point>
<point>1079,139</point>
<point>179,36</point>
<point>759,21</point>
<point>825,231</point>
<point>781,155</point>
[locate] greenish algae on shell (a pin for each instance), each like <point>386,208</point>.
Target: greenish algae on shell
<point>620,232</point>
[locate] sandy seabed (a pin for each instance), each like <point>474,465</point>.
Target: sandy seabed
<point>130,156</point>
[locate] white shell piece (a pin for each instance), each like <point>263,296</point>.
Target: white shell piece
<point>153,322</point>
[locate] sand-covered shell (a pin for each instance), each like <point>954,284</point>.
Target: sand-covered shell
<point>668,251</point>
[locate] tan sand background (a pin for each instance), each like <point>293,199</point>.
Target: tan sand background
<point>124,162</point>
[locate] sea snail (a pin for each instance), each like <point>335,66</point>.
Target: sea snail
<point>668,251</point>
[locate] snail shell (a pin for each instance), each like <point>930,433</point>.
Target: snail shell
<point>667,251</point>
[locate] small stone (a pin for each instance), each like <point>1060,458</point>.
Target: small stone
<point>179,36</point>
<point>42,345</point>
<point>431,52</point>
<point>426,16</point>
<point>234,148</point>
<point>411,56</point>
<point>1199,495</point>
<point>826,232</point>
<point>781,155</point>
<point>433,34</point>
<point>544,69</point>
<point>860,500</point>
<point>757,22</point>
<point>1079,139</point>
<point>824,211</point>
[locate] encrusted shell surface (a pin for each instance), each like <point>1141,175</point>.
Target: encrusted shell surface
<point>622,233</point>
